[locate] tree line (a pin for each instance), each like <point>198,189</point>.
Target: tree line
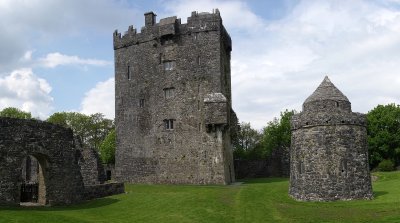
<point>383,129</point>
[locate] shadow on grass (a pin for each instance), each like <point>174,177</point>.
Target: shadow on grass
<point>263,180</point>
<point>379,193</point>
<point>102,202</point>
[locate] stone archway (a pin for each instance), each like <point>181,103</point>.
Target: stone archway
<point>54,148</point>
<point>33,181</point>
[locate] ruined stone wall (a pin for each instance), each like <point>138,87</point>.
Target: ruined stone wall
<point>92,169</point>
<point>53,147</point>
<point>164,73</point>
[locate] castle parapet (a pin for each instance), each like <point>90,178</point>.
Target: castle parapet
<point>152,31</point>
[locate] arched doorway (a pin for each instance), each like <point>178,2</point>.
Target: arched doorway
<point>33,182</point>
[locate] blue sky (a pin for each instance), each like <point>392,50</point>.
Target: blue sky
<point>58,55</point>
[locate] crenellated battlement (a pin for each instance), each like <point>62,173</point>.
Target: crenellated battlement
<point>170,26</point>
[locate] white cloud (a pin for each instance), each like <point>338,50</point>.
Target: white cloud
<point>277,64</point>
<point>56,59</point>
<point>235,14</point>
<point>33,23</point>
<point>100,99</point>
<point>24,90</point>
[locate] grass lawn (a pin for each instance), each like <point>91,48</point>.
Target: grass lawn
<point>257,200</point>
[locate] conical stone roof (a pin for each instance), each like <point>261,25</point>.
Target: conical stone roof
<point>326,91</point>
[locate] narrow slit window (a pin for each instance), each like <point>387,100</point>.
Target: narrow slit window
<point>141,103</point>
<point>128,72</point>
<point>195,36</point>
<point>169,124</point>
<point>198,60</point>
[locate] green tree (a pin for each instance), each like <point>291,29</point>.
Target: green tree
<point>91,130</point>
<point>277,134</point>
<point>107,148</point>
<point>99,128</point>
<point>11,112</point>
<point>384,134</point>
<point>246,145</point>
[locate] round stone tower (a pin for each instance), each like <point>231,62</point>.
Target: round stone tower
<point>329,156</point>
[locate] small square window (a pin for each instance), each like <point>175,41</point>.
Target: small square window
<point>169,92</point>
<point>169,124</point>
<point>169,65</point>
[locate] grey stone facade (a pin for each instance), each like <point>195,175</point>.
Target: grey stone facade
<point>329,156</point>
<point>173,101</point>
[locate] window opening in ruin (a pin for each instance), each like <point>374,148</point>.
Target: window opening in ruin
<point>169,65</point>
<point>108,174</point>
<point>195,36</point>
<point>167,39</point>
<point>169,124</point>
<point>32,187</point>
<point>141,103</point>
<point>198,105</point>
<point>337,104</point>
<point>198,60</point>
<point>169,92</point>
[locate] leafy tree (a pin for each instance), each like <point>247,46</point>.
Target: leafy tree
<point>99,128</point>
<point>384,134</point>
<point>91,130</point>
<point>11,112</point>
<point>277,134</point>
<point>246,145</point>
<point>107,148</point>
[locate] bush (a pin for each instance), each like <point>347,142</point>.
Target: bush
<point>386,165</point>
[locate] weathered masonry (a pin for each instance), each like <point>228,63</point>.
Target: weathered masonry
<point>173,101</point>
<point>329,156</point>
<point>43,163</point>
<point>59,178</point>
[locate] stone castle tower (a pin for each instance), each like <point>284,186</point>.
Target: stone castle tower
<point>329,156</point>
<point>173,101</point>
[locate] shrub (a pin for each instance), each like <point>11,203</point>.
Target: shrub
<point>386,165</point>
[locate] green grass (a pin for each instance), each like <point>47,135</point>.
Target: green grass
<point>257,200</point>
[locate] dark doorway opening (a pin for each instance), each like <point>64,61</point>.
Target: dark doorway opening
<point>33,188</point>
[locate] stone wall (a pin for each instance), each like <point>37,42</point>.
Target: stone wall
<point>103,190</point>
<point>276,165</point>
<point>168,131</point>
<point>60,181</point>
